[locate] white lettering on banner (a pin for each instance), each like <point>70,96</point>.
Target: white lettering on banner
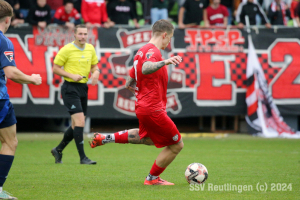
<point>137,37</point>
<point>214,40</point>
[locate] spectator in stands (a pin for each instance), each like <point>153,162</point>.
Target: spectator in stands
<point>147,4</point>
<point>229,5</point>
<point>297,14</point>
<point>94,13</point>
<point>25,5</point>
<point>18,17</point>
<point>120,11</point>
<point>191,13</point>
<point>67,15</point>
<point>39,14</point>
<point>237,4</point>
<point>215,14</point>
<point>251,10</point>
<point>77,5</point>
<point>293,10</point>
<point>278,11</point>
<point>159,10</point>
<point>54,5</point>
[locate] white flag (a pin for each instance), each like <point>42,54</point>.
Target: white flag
<point>263,116</point>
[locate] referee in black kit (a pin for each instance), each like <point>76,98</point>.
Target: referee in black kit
<point>78,59</point>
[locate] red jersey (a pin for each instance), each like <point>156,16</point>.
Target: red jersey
<point>61,14</point>
<point>94,11</point>
<point>216,16</point>
<point>151,89</point>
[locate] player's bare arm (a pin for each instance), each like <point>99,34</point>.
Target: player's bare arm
<point>151,67</point>
<point>59,71</point>
<point>95,74</point>
<point>130,84</point>
<point>17,76</point>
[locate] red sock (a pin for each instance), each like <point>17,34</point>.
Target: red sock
<point>156,170</point>
<point>121,137</point>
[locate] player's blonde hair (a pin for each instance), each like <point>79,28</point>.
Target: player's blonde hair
<point>79,26</point>
<point>5,10</point>
<point>162,26</point>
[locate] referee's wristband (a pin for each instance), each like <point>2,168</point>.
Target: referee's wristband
<point>98,70</point>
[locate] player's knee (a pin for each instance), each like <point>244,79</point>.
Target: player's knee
<point>15,144</point>
<point>12,144</point>
<point>177,147</point>
<point>180,146</point>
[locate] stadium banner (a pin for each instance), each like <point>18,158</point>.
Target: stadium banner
<point>210,81</point>
<point>263,116</point>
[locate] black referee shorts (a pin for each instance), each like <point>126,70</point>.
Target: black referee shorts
<point>75,96</point>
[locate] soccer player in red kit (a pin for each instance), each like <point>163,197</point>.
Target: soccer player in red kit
<point>148,80</point>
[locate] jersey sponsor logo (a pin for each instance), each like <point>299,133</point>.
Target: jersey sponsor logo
<point>139,53</point>
<point>149,54</point>
<point>9,55</point>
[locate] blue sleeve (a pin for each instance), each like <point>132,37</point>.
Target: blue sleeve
<point>7,54</point>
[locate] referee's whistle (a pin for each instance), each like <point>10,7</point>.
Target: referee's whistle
<point>84,77</point>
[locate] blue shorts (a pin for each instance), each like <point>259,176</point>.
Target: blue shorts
<point>7,114</point>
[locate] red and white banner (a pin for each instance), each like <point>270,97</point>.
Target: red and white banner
<point>263,116</point>
<point>210,80</point>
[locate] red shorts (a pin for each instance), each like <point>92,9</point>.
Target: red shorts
<point>160,128</point>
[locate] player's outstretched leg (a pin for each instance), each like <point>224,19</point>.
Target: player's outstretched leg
<point>165,157</point>
<point>131,136</point>
<point>57,151</point>
<point>9,143</point>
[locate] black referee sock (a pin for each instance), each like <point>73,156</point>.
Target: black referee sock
<point>78,137</point>
<point>68,137</point>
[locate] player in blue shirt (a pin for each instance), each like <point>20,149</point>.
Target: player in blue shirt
<point>8,120</point>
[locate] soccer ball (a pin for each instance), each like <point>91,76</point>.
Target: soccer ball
<point>196,173</point>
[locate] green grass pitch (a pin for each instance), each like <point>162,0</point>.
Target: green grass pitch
<point>122,168</point>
